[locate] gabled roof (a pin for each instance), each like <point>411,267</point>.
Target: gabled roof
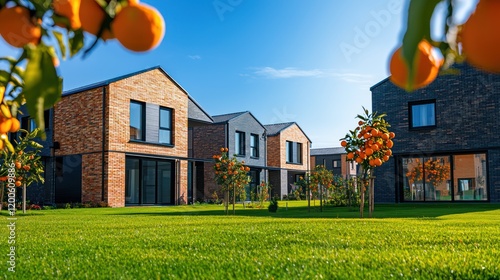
<point>226,118</point>
<point>112,80</point>
<point>277,128</point>
<point>195,111</point>
<point>327,151</point>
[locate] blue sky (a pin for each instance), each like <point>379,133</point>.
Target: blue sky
<point>309,61</point>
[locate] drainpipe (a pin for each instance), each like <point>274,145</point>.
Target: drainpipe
<point>103,156</point>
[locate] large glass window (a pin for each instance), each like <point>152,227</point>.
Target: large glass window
<point>422,114</point>
<point>444,178</point>
<point>132,181</point>
<point>137,121</point>
<point>293,152</point>
<point>239,142</point>
<point>254,145</point>
<point>165,126</point>
<point>149,181</point>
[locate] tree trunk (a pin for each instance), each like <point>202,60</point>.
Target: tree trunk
<point>234,198</point>
<point>2,188</point>
<point>371,201</point>
<point>24,198</point>
<point>226,201</point>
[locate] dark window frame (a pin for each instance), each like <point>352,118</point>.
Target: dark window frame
<point>411,106</point>
<point>254,149</point>
<point>170,128</point>
<point>239,146</point>
<point>293,152</point>
<point>142,105</point>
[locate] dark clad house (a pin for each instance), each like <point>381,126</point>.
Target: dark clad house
<point>242,134</point>
<point>447,146</point>
<point>334,159</point>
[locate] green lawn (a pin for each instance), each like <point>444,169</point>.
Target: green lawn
<point>411,241</point>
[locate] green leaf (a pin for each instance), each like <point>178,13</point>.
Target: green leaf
<point>418,28</point>
<point>60,40</point>
<point>76,42</point>
<point>42,86</point>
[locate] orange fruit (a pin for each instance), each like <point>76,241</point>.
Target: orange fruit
<point>69,9</point>
<point>5,125</point>
<point>389,144</point>
<point>425,68</point>
<point>16,125</point>
<point>377,162</point>
<point>350,156</point>
<point>361,123</point>
<point>18,28</point>
<point>385,158</point>
<point>392,135</point>
<point>359,160</point>
<point>18,183</point>
<point>369,151</point>
<point>18,164</point>
<point>388,152</point>
<point>343,143</point>
<point>139,27</point>
<point>385,136</point>
<point>479,40</point>
<point>366,135</point>
<point>92,16</point>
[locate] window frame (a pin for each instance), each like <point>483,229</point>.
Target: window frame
<point>293,152</point>
<point>142,120</point>
<point>169,129</point>
<point>411,106</point>
<point>254,149</point>
<point>239,144</point>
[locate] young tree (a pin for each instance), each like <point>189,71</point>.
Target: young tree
<point>320,179</point>
<point>27,161</point>
<point>231,175</point>
<point>369,145</point>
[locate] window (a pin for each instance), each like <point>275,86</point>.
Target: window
<point>29,124</point>
<point>293,152</point>
<point>445,178</point>
<point>336,163</point>
<point>149,181</point>
<point>254,145</point>
<point>422,114</point>
<point>239,142</point>
<point>137,121</point>
<point>165,126</point>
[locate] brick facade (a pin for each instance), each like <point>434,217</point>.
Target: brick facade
<point>282,178</point>
<point>78,127</point>
<point>467,119</point>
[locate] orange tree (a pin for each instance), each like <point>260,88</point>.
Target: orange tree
<point>320,178</point>
<point>369,145</point>
<point>231,175</point>
<point>46,30</point>
<point>413,65</point>
<point>27,161</point>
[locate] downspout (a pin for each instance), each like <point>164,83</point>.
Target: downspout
<point>226,141</point>
<point>103,159</point>
<point>53,159</point>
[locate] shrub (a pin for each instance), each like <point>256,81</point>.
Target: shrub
<point>273,205</point>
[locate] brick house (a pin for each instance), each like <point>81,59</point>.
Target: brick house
<point>446,147</point>
<point>335,160</point>
<point>242,134</point>
<point>123,141</point>
<point>288,156</point>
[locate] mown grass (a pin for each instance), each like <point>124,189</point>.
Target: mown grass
<point>441,241</point>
